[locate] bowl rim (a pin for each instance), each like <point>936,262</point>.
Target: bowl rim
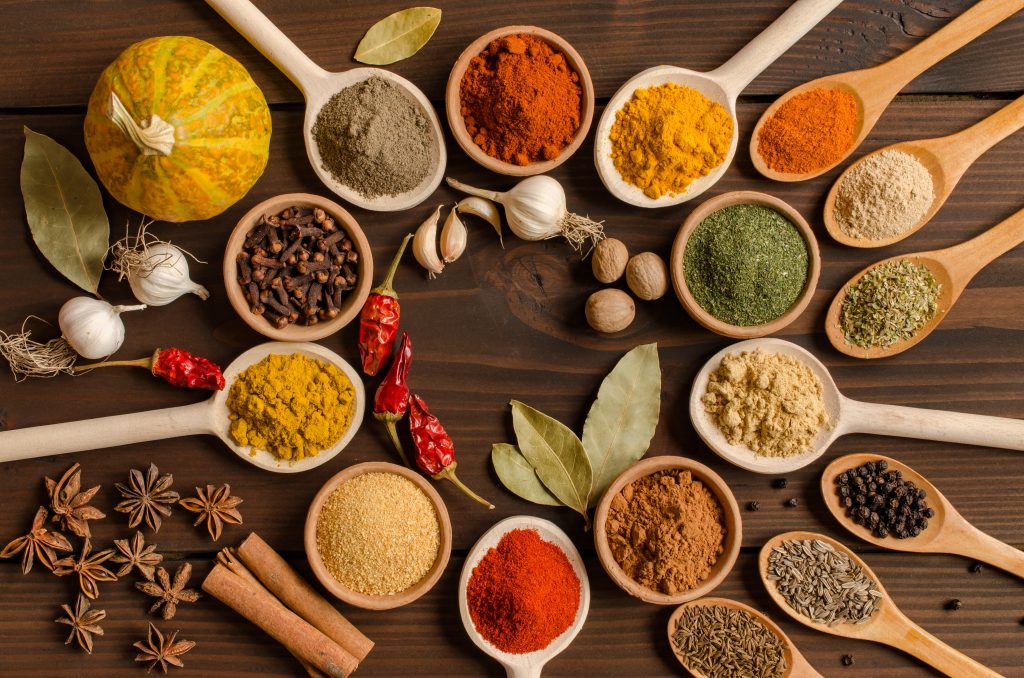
<point>293,332</point>
<point>731,514</point>
<point>376,601</point>
<point>678,273</point>
<point>453,102</point>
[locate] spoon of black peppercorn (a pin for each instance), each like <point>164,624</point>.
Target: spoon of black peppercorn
<point>946,531</point>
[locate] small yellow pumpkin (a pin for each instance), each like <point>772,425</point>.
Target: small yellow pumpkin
<point>177,129</point>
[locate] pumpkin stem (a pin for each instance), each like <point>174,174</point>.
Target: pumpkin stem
<point>153,137</point>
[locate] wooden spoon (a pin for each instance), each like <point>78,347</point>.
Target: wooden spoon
<point>874,88</point>
<point>947,531</point>
<point>797,665</point>
<point>207,417</point>
<point>953,269</point>
<point>888,625</point>
<point>946,159</point>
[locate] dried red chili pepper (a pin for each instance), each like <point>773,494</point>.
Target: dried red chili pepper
<point>378,321</point>
<point>435,451</point>
<point>174,366</point>
<point>392,400</point>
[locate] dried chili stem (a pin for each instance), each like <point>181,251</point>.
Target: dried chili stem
<point>448,473</point>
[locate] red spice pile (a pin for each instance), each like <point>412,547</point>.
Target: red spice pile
<point>812,130</point>
<point>523,593</point>
<point>521,100</point>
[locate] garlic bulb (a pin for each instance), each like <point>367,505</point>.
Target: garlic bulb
<point>92,327</point>
<point>535,210</point>
<point>424,245</point>
<point>485,209</point>
<point>157,271</point>
<point>453,238</point>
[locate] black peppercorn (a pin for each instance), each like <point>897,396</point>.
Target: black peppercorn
<point>976,568</point>
<point>954,604</point>
<point>882,464</point>
<point>792,501</point>
<point>754,506</point>
<point>780,483</point>
<point>847,660</point>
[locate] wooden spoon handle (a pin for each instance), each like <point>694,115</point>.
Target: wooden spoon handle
<point>530,671</point>
<point>951,427</point>
<point>968,145</point>
<point>965,260</point>
<point>801,668</point>
<point>986,548</point>
<point>94,434</point>
<point>912,639</point>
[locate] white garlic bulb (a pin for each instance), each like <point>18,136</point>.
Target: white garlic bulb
<point>162,276</point>
<point>92,327</point>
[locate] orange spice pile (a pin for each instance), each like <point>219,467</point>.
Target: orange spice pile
<point>809,132</point>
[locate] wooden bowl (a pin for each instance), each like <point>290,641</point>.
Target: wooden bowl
<point>371,601</point>
<point>730,511</point>
<point>677,264</point>
<point>453,101</point>
<point>353,301</point>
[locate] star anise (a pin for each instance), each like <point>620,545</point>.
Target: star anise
<point>84,623</point>
<point>216,506</point>
<point>169,594</point>
<point>38,543</point>
<point>90,569</point>
<point>70,504</point>
<point>136,554</point>
<point>147,497</point>
<point>161,651</point>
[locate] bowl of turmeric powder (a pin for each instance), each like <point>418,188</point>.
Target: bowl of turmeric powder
<point>520,100</point>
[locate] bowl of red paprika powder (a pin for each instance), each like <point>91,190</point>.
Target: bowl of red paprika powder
<point>520,100</point>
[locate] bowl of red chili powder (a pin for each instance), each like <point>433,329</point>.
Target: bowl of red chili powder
<point>520,100</point>
<point>523,592</point>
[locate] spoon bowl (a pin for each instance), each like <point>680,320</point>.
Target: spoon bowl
<point>526,665</point>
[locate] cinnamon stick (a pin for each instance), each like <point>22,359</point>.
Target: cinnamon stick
<point>295,592</point>
<point>300,638</point>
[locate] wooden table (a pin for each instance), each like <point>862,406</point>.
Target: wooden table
<point>504,324</point>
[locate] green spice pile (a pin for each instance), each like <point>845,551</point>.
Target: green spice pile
<point>889,304</point>
<point>882,501</point>
<point>725,642</point>
<point>374,138</point>
<point>746,264</point>
<point>378,534</point>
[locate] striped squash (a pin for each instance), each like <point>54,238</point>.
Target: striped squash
<point>177,129</point>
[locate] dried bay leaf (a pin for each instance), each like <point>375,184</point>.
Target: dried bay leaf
<point>398,36</point>
<point>516,474</point>
<point>65,211</point>
<point>622,420</point>
<point>557,455</point>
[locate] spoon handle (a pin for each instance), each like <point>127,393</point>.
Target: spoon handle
<point>914,640</point>
<point>950,427</point>
<point>94,434</point>
<point>986,548</point>
<point>255,27</point>
<point>530,671</point>
<point>968,145</point>
<point>803,15</point>
<point>966,259</point>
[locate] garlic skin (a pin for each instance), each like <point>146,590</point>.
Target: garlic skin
<point>92,327</point>
<point>486,210</point>
<point>424,245</point>
<point>162,276</point>
<point>454,237</point>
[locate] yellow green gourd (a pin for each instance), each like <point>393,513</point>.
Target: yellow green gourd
<point>177,129</point>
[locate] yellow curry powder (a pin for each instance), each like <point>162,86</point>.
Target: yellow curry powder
<point>290,405</point>
<point>666,137</point>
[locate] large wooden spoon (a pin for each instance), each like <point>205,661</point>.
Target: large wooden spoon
<point>953,269</point>
<point>797,665</point>
<point>874,88</point>
<point>946,159</point>
<point>947,531</point>
<point>888,625</point>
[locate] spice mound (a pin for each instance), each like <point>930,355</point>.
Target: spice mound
<point>290,405</point>
<point>666,531</point>
<point>770,402</point>
<point>523,593</point>
<point>882,501</point>
<point>374,138</point>
<point>666,137</point>
<point>378,534</point>
<point>520,100</point>
<point>822,584</point>
<point>883,196</point>
<point>746,264</point>
<point>725,642</point>
<point>809,131</point>
<point>889,304</point>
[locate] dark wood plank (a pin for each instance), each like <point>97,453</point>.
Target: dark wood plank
<point>54,50</point>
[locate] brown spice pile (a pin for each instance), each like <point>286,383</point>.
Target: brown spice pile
<point>666,531</point>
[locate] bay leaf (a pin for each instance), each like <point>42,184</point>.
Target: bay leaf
<point>557,455</point>
<point>516,474</point>
<point>65,211</point>
<point>398,36</point>
<point>621,422</point>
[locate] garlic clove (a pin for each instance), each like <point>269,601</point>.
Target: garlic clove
<point>424,245</point>
<point>453,237</point>
<point>486,210</point>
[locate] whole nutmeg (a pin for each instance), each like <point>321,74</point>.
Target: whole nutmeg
<point>647,276</point>
<point>609,260</point>
<point>610,310</point>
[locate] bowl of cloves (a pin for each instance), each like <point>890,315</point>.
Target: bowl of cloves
<point>297,267</point>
